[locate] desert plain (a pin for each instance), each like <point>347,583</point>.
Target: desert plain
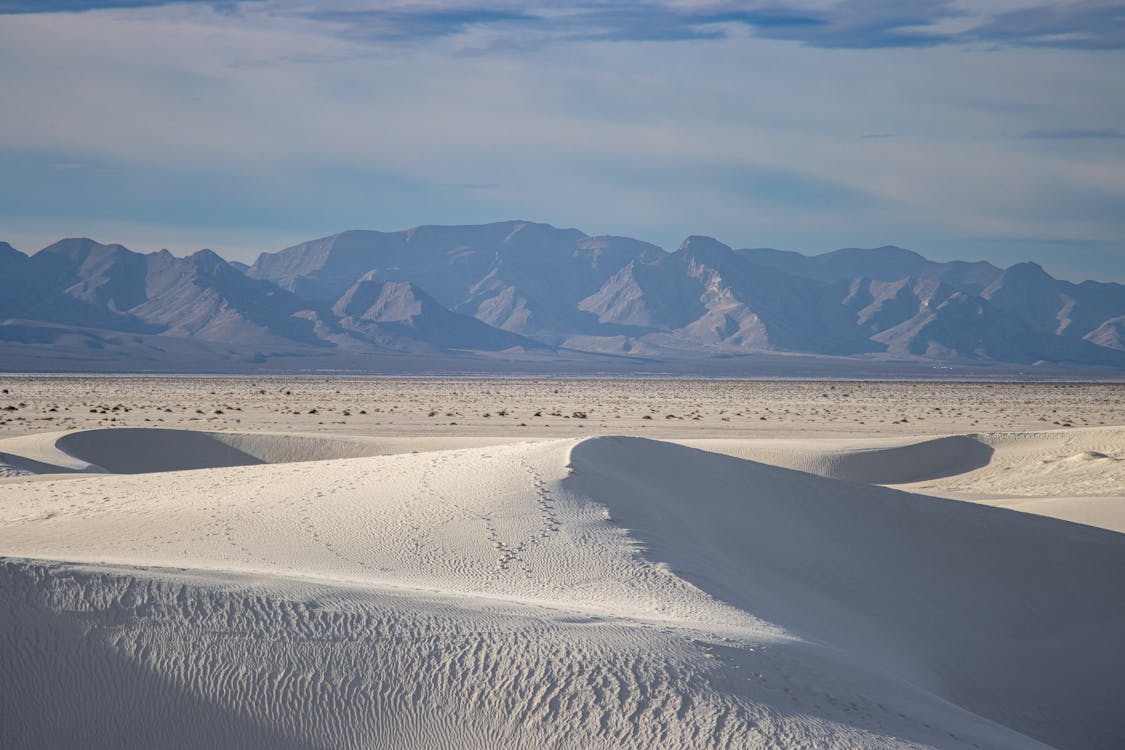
<point>454,562</point>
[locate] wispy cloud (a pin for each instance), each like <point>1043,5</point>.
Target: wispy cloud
<point>871,24</point>
<point>1086,24</point>
<point>78,6</point>
<point>846,24</point>
<point>406,24</point>
<point>850,24</point>
<point>1077,134</point>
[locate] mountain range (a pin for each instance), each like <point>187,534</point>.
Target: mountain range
<point>524,291</point>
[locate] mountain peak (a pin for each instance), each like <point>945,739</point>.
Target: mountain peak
<point>77,249</point>
<point>888,260</point>
<point>703,247</point>
<point>532,230</point>
<point>885,251</point>
<point>697,241</point>
<point>1027,270</point>
<point>1020,280</point>
<point>205,255</point>
<point>69,244</point>
<point>207,261</point>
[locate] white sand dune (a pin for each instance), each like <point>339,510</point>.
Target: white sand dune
<point>611,592</point>
<point>913,462</point>
<point>871,461</point>
<point>1039,464</point>
<point>143,450</point>
<point>1074,475</point>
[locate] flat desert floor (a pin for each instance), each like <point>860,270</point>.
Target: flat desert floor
<point>433,563</point>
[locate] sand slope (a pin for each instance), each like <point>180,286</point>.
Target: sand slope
<point>927,589</point>
<point>611,592</point>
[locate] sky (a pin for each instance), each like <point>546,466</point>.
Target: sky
<point>992,129</point>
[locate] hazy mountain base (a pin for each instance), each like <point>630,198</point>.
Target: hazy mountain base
<point>32,347</point>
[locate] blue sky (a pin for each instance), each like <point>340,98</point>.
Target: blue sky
<point>991,129</point>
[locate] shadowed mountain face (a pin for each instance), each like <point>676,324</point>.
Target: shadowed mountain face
<point>888,263</point>
<point>532,288</point>
<point>398,313</point>
<point>13,273</point>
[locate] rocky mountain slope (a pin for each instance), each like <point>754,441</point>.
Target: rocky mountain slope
<point>519,288</point>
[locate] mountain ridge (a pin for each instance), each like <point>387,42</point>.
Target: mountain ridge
<point>520,288</point>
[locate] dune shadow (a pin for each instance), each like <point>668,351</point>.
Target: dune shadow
<point>143,450</point>
<point>918,462</point>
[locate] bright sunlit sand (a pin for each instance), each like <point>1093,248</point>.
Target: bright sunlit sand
<point>731,584</point>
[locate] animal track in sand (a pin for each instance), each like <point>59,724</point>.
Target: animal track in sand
<point>511,553</point>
